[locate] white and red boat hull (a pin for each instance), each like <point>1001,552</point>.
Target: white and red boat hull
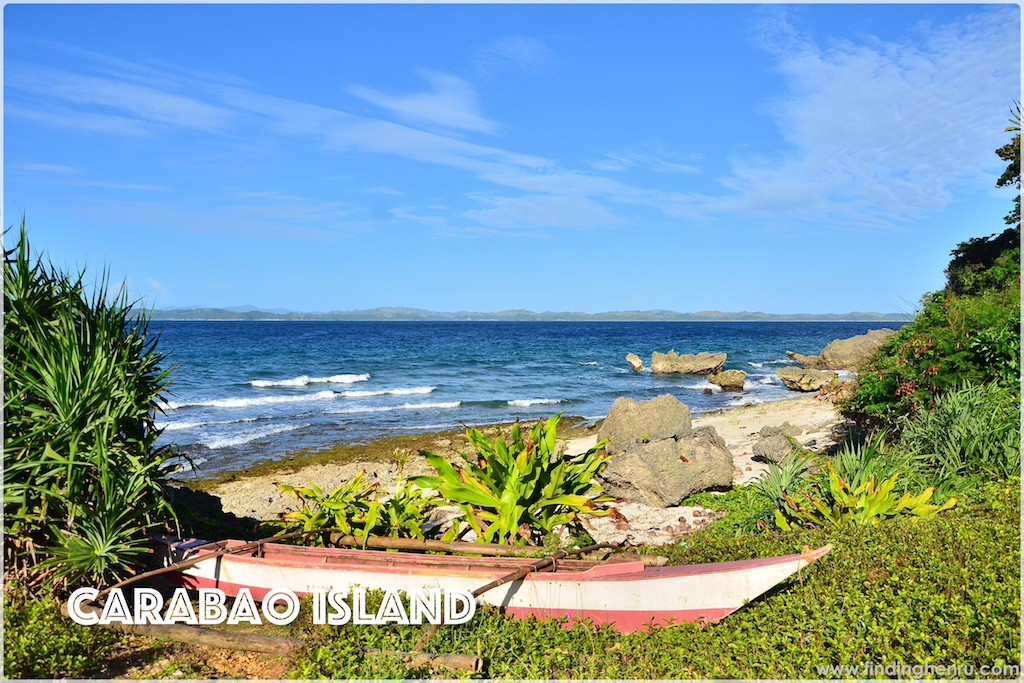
<point>628,595</point>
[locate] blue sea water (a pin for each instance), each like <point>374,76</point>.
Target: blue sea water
<point>244,391</point>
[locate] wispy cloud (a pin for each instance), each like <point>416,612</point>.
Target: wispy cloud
<point>879,131</point>
<point>41,168</point>
<point>512,53</point>
<point>450,103</point>
<point>649,157</point>
<point>143,103</point>
<point>875,133</point>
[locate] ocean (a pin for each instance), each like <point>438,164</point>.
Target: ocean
<point>244,391</point>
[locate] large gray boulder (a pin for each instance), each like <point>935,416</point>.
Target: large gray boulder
<point>845,354</point>
<point>634,362</point>
<point>729,380</point>
<point>630,423</point>
<point>657,457</point>
<point>805,379</point>
<point>702,363</point>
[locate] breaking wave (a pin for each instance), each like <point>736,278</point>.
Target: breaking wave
<point>304,380</point>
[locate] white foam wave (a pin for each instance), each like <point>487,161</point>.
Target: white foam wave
<point>593,362</point>
<point>175,426</point>
<point>172,426</point>
<point>240,439</point>
<point>526,402</point>
<point>745,401</point>
<point>304,380</point>
<point>702,385</point>
<point>364,393</point>
<point>327,394</point>
<point>756,365</point>
<point>404,406</point>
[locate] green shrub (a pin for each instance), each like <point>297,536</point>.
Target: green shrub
<point>82,385</point>
<point>834,502</point>
<point>353,508</point>
<point>520,491</point>
<point>40,643</point>
<point>975,429</point>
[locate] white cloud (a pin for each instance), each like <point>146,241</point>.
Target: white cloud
<point>451,103</point>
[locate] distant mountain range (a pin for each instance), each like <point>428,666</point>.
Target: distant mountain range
<point>399,313</point>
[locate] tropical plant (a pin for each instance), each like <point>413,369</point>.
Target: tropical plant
<point>82,385</point>
<point>973,430</point>
<point>837,503</point>
<point>520,491</point>
<point>784,478</point>
<point>353,508</point>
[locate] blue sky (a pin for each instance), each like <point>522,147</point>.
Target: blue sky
<point>817,158</point>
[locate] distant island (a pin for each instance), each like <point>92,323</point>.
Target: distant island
<point>413,314</point>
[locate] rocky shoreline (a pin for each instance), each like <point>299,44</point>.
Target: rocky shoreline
<point>252,494</point>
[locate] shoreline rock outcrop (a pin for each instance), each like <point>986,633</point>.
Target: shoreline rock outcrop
<point>634,362</point>
<point>729,380</point>
<point>657,457</point>
<point>805,379</point>
<point>702,363</point>
<point>845,354</point>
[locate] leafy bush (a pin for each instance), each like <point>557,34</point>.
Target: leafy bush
<point>353,508</point>
<point>520,491</point>
<point>975,429</point>
<point>82,384</point>
<point>837,503</point>
<point>40,643</point>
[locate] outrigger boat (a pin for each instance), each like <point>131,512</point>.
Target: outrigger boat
<point>627,594</point>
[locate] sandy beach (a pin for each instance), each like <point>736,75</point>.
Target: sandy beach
<point>255,496</point>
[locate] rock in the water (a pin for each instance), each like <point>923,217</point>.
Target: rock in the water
<point>850,354</point>
<point>702,363</point>
<point>806,361</point>
<point>640,524</point>
<point>658,458</point>
<point>630,423</point>
<point>805,379</point>
<point>845,354</point>
<point>729,380</point>
<point>634,362</point>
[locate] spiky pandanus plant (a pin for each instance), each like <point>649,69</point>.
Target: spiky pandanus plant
<point>82,381</point>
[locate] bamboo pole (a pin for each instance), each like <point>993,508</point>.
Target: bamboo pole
<point>515,576</point>
<point>420,545</point>
<point>279,645</point>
